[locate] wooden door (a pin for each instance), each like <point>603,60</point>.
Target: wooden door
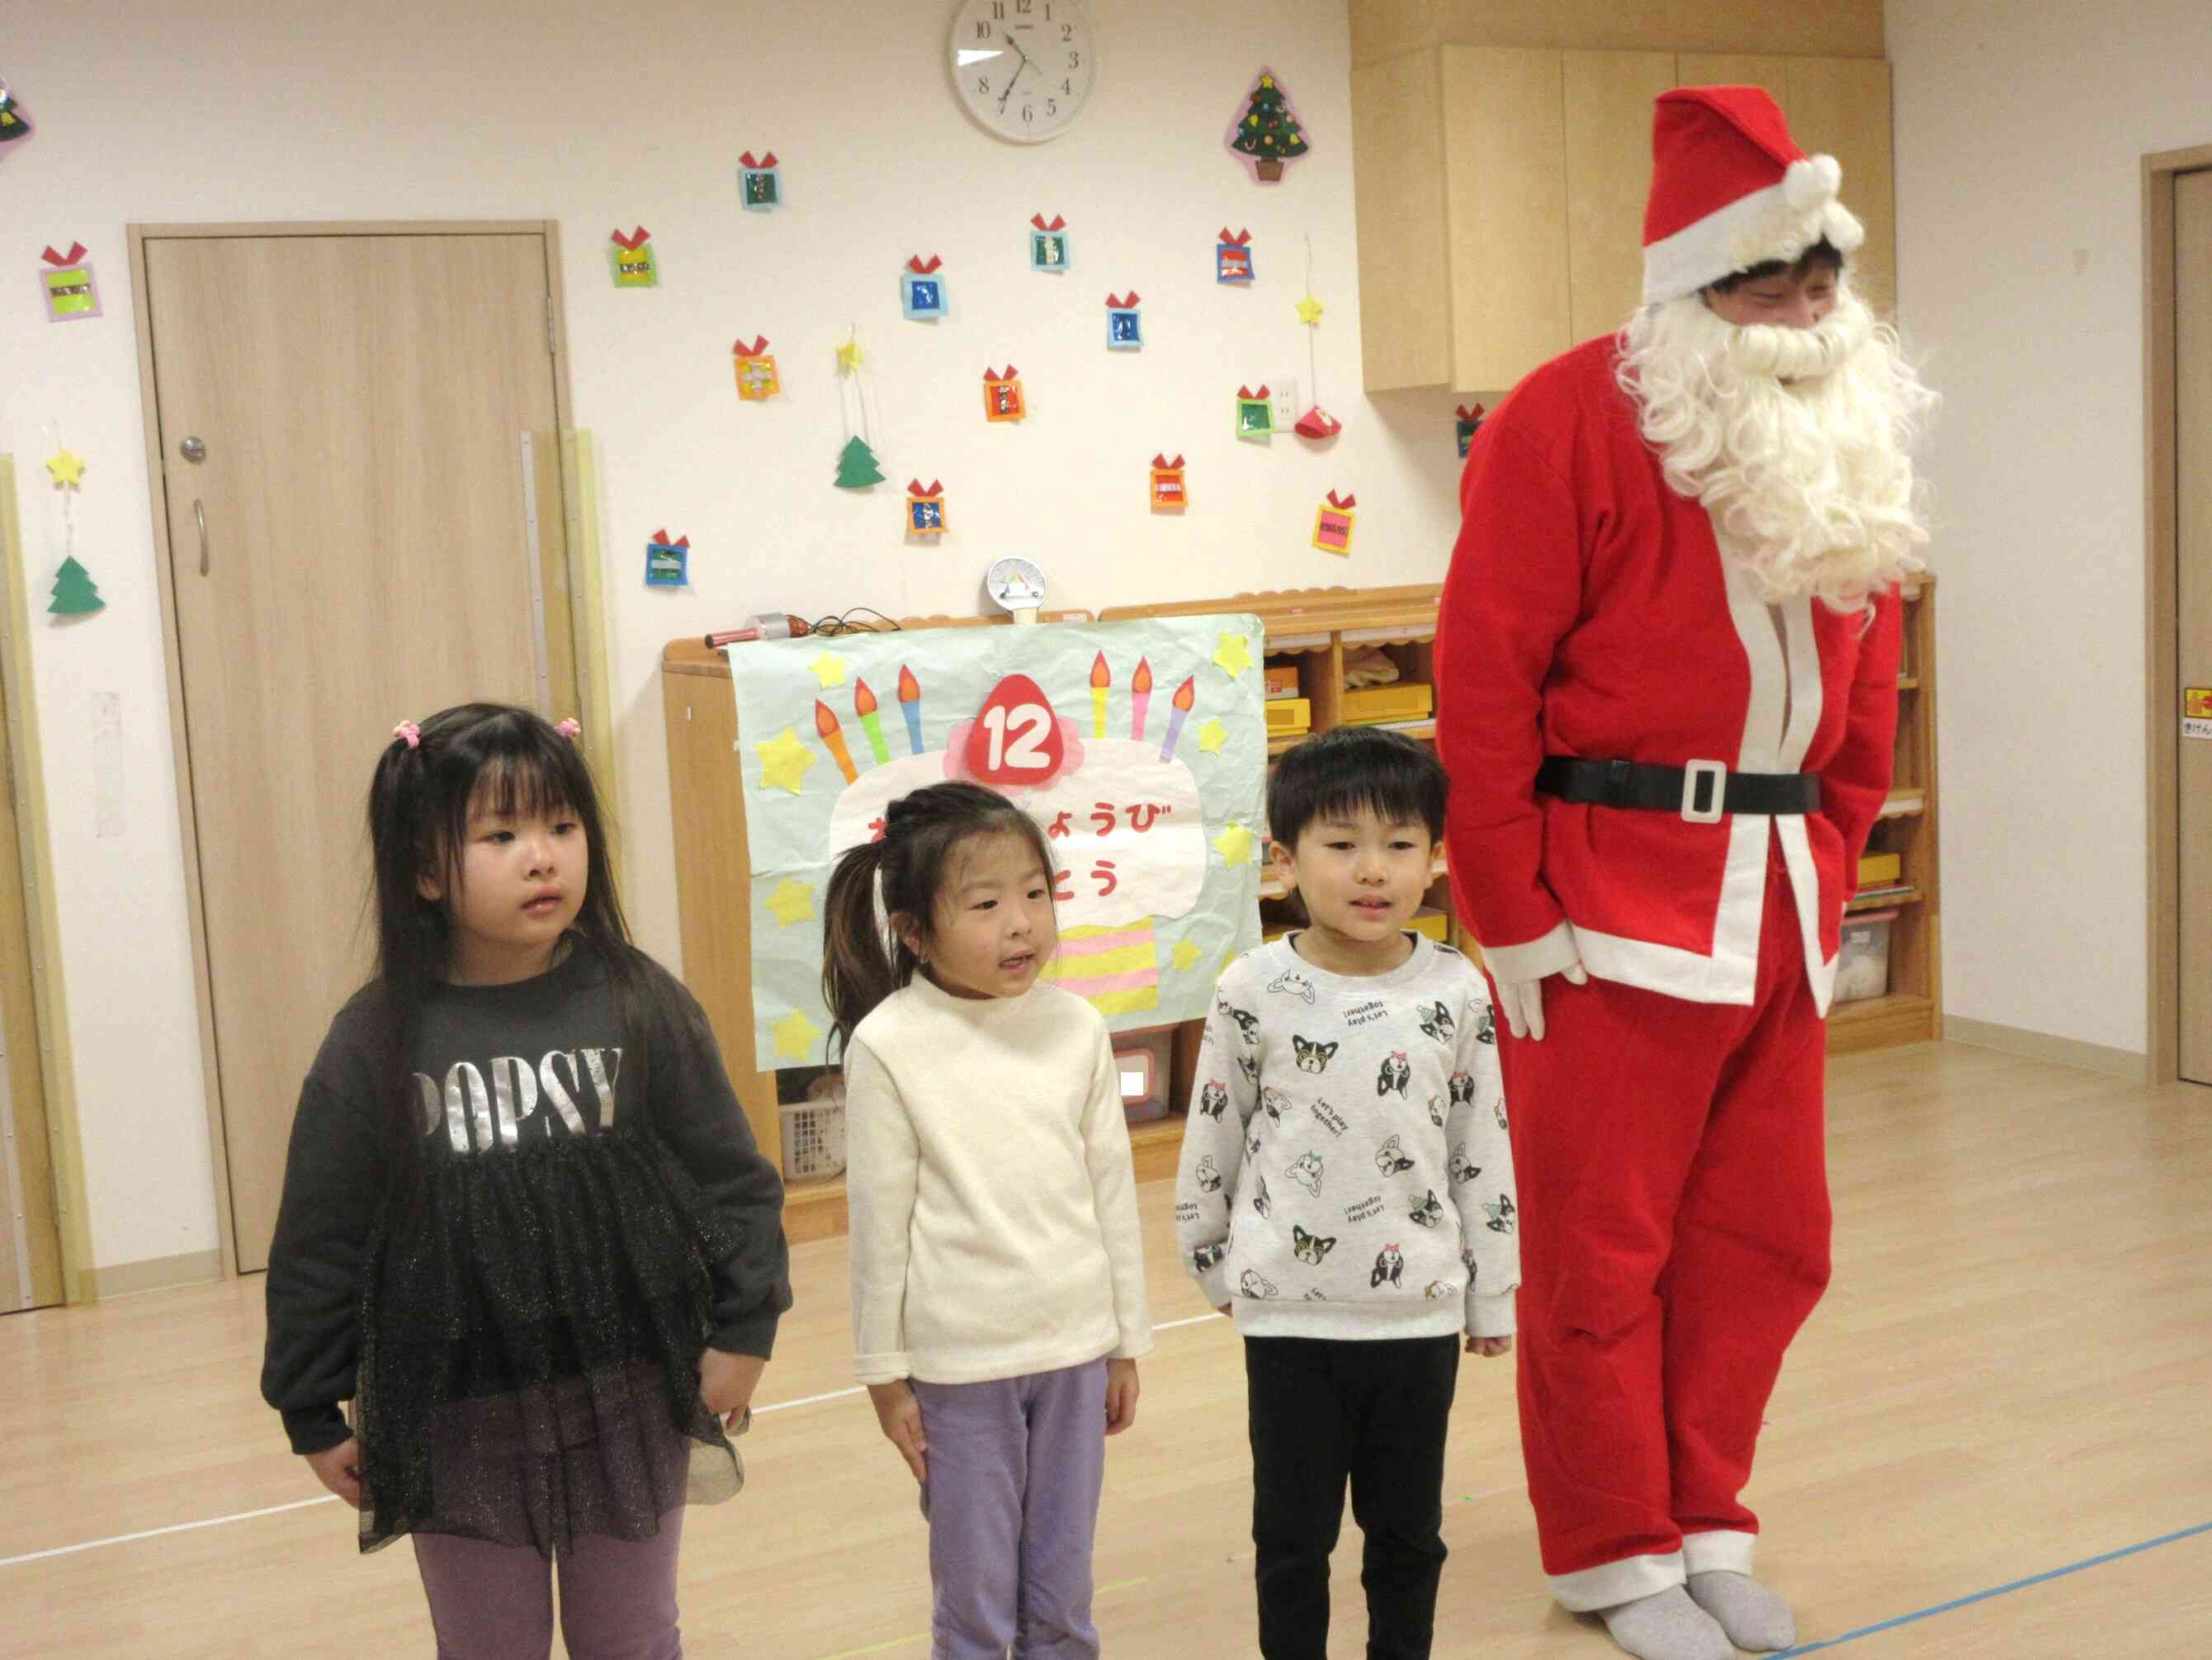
<point>1609,95</point>
<point>2192,472</point>
<point>1840,107</point>
<point>352,552</point>
<point>30,1237</point>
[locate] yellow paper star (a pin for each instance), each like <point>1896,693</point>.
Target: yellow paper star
<point>848,356</point>
<point>1235,656</point>
<point>784,761</point>
<point>67,469</point>
<point>792,902</point>
<point>1309,310</point>
<point>1234,845</point>
<point>1212,736</point>
<point>1185,953</point>
<point>795,1035</point>
<point>829,669</point>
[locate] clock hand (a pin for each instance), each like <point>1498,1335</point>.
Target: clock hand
<point>1017,75</point>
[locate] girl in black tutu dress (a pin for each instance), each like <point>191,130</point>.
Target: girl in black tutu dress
<point>525,1229</point>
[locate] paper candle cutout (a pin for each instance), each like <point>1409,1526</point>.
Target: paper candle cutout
<point>1232,257</point>
<point>632,262</point>
<point>75,593</point>
<point>72,294</point>
<point>1468,423</point>
<point>1169,494</point>
<point>872,722</point>
<point>1101,682</point>
<point>1049,249</point>
<point>910,697</point>
<point>925,508</point>
<point>14,119</point>
<point>1332,524</point>
<point>1141,696</point>
<point>1002,395</point>
<point>1267,132</point>
<point>921,291</point>
<point>1125,323</point>
<point>760,183</point>
<point>1317,423</point>
<point>832,734</point>
<point>667,564</point>
<point>1186,694</point>
<point>756,367</point>
<point>856,466</point>
<point>1255,414</point>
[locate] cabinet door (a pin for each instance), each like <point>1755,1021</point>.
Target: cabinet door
<point>1609,99</point>
<point>1735,69</point>
<point>1505,190</point>
<point>1839,106</point>
<point>1398,202</point>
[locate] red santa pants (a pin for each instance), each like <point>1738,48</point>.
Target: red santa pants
<point>1674,1197</point>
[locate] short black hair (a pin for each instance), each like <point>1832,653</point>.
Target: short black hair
<point>1823,255</point>
<point>1350,769</point>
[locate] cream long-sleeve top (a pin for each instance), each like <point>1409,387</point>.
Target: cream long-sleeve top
<point>993,1207</point>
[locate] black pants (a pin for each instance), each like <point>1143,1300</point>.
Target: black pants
<point>1376,1412</point>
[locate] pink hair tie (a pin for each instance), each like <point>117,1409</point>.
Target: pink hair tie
<point>571,728</point>
<point>412,733</point>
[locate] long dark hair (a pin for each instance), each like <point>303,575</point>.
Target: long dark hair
<point>485,758</point>
<point>922,833</point>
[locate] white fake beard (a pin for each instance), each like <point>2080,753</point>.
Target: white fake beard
<point>1798,441</point>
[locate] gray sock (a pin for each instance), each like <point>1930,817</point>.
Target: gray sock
<point>1666,1626</point>
<point>1753,1617</point>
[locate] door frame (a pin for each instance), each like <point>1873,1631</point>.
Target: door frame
<point>2162,574</point>
<point>560,569</point>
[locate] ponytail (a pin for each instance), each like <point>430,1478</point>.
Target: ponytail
<point>860,966</point>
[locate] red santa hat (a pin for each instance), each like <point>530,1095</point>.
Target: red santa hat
<point>1731,190</point>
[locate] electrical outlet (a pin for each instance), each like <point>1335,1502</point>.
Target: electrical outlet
<point>1285,394</point>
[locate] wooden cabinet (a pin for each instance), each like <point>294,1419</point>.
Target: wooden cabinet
<point>1499,194</point>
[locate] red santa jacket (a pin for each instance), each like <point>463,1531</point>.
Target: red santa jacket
<point>1589,612</point>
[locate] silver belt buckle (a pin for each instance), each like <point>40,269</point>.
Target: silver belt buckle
<point>1691,813</point>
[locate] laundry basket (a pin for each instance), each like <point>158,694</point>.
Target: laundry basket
<point>814,1132</point>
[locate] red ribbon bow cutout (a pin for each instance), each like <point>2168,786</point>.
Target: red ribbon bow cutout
<point>636,240</point>
<point>990,374</point>
<point>1112,304</point>
<point>1160,461</point>
<point>915,265</point>
<point>746,161</point>
<point>1344,504</point>
<point>660,540</point>
<point>1246,395</point>
<point>914,489</point>
<point>78,250</point>
<point>1058,223</point>
<point>1242,239</point>
<point>1467,414</point>
<point>758,346</point>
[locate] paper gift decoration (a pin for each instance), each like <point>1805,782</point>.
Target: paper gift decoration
<point>72,294</point>
<point>1267,132</point>
<point>1049,244</point>
<point>1317,423</point>
<point>1169,494</point>
<point>631,260</point>
<point>921,290</point>
<point>1255,414</point>
<point>756,370</point>
<point>1332,522</point>
<point>1125,323</point>
<point>760,183</point>
<point>925,508</point>
<point>667,564</point>
<point>14,120</point>
<point>1002,395</point>
<point>1232,257</point>
<point>1468,423</point>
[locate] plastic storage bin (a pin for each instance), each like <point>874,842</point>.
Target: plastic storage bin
<point>814,1132</point>
<point>1863,965</point>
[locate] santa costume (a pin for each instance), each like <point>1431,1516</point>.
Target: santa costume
<point>1667,668</point>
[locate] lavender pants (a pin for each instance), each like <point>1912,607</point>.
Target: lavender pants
<point>495,1602</point>
<point>1015,1468</point>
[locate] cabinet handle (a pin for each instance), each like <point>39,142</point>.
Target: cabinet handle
<point>200,514</point>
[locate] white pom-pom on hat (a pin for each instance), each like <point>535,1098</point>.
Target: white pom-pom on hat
<point>1812,182</point>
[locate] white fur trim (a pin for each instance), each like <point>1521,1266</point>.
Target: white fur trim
<point>1611,1583</point>
<point>1778,223</point>
<point>1720,1550</point>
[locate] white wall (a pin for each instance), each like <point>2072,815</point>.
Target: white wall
<point>601,117</point>
<point>2019,129</point>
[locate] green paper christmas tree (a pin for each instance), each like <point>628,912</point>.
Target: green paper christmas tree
<point>1269,132</point>
<point>857,468</point>
<point>75,594</point>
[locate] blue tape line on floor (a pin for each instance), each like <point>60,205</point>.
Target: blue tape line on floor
<point>1984,1595</point>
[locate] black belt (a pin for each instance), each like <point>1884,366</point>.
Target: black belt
<point>1702,792</point>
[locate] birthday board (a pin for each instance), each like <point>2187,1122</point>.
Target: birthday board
<point>1140,746</point>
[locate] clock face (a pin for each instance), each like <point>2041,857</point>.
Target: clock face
<point>1016,584</point>
<point>1023,68</point>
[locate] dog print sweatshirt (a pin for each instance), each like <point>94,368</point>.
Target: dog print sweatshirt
<point>1345,1172</point>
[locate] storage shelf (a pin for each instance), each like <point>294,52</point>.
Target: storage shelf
<point>1887,902</point>
<point>1904,804</point>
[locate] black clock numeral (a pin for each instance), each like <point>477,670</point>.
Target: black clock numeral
<point>982,30</point>
<point>1022,7</point>
<point>997,9</point>
<point>1075,60</point>
<point>1066,31</point>
<point>983,83</point>
<point>1029,114</point>
<point>1068,87</point>
<point>1052,107</point>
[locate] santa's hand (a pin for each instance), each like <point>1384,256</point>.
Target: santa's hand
<point>1522,1001</point>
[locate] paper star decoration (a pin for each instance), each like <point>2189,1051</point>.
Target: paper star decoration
<point>1234,845</point>
<point>1212,736</point>
<point>1235,656</point>
<point>795,1035</point>
<point>1309,310</point>
<point>849,355</point>
<point>784,761</point>
<point>1185,954</point>
<point>792,902</point>
<point>67,469</point>
<point>829,669</point>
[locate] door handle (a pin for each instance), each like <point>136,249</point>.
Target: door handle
<point>200,514</point>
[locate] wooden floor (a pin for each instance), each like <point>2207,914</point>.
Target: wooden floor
<point>2012,1375</point>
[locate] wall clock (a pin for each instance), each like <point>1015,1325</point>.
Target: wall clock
<point>1024,69</point>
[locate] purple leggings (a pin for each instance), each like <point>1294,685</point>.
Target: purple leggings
<point>495,1602</point>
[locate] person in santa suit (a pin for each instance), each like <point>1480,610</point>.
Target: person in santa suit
<point>1667,665</point>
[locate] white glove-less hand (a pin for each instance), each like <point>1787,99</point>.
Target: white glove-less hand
<point>1522,1001</point>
